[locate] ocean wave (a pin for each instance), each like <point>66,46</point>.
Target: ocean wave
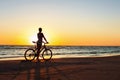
<point>6,51</point>
<point>14,47</point>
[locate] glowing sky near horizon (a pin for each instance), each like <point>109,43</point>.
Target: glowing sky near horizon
<point>64,22</point>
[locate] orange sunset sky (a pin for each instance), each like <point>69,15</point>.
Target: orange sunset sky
<point>64,22</point>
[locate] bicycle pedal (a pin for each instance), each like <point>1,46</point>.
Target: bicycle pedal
<point>36,55</point>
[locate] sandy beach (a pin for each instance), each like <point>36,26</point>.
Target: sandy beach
<point>101,68</point>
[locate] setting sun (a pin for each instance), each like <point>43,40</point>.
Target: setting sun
<point>33,38</point>
<point>51,37</point>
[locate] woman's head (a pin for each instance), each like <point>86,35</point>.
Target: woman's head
<point>40,29</point>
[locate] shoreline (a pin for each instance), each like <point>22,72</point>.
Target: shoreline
<point>92,68</point>
<point>58,57</point>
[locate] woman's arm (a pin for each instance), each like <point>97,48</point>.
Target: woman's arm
<point>45,38</point>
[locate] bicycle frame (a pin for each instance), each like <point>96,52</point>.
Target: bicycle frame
<point>42,48</point>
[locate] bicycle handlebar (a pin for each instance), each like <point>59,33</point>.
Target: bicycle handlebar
<point>42,42</point>
<point>34,42</point>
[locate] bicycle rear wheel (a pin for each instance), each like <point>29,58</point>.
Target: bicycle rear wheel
<point>47,54</point>
<point>29,54</point>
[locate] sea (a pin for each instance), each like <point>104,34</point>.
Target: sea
<point>11,52</point>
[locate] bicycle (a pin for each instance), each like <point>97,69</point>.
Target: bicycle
<point>31,53</point>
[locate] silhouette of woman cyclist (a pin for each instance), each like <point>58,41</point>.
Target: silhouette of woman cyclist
<point>40,37</point>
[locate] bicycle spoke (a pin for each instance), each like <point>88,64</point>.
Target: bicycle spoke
<point>47,54</point>
<point>29,54</point>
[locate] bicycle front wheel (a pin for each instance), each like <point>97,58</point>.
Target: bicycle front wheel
<point>29,54</point>
<point>47,54</point>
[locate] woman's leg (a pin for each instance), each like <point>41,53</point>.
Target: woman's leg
<point>38,50</point>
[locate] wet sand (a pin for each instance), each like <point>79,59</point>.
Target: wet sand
<point>102,68</point>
